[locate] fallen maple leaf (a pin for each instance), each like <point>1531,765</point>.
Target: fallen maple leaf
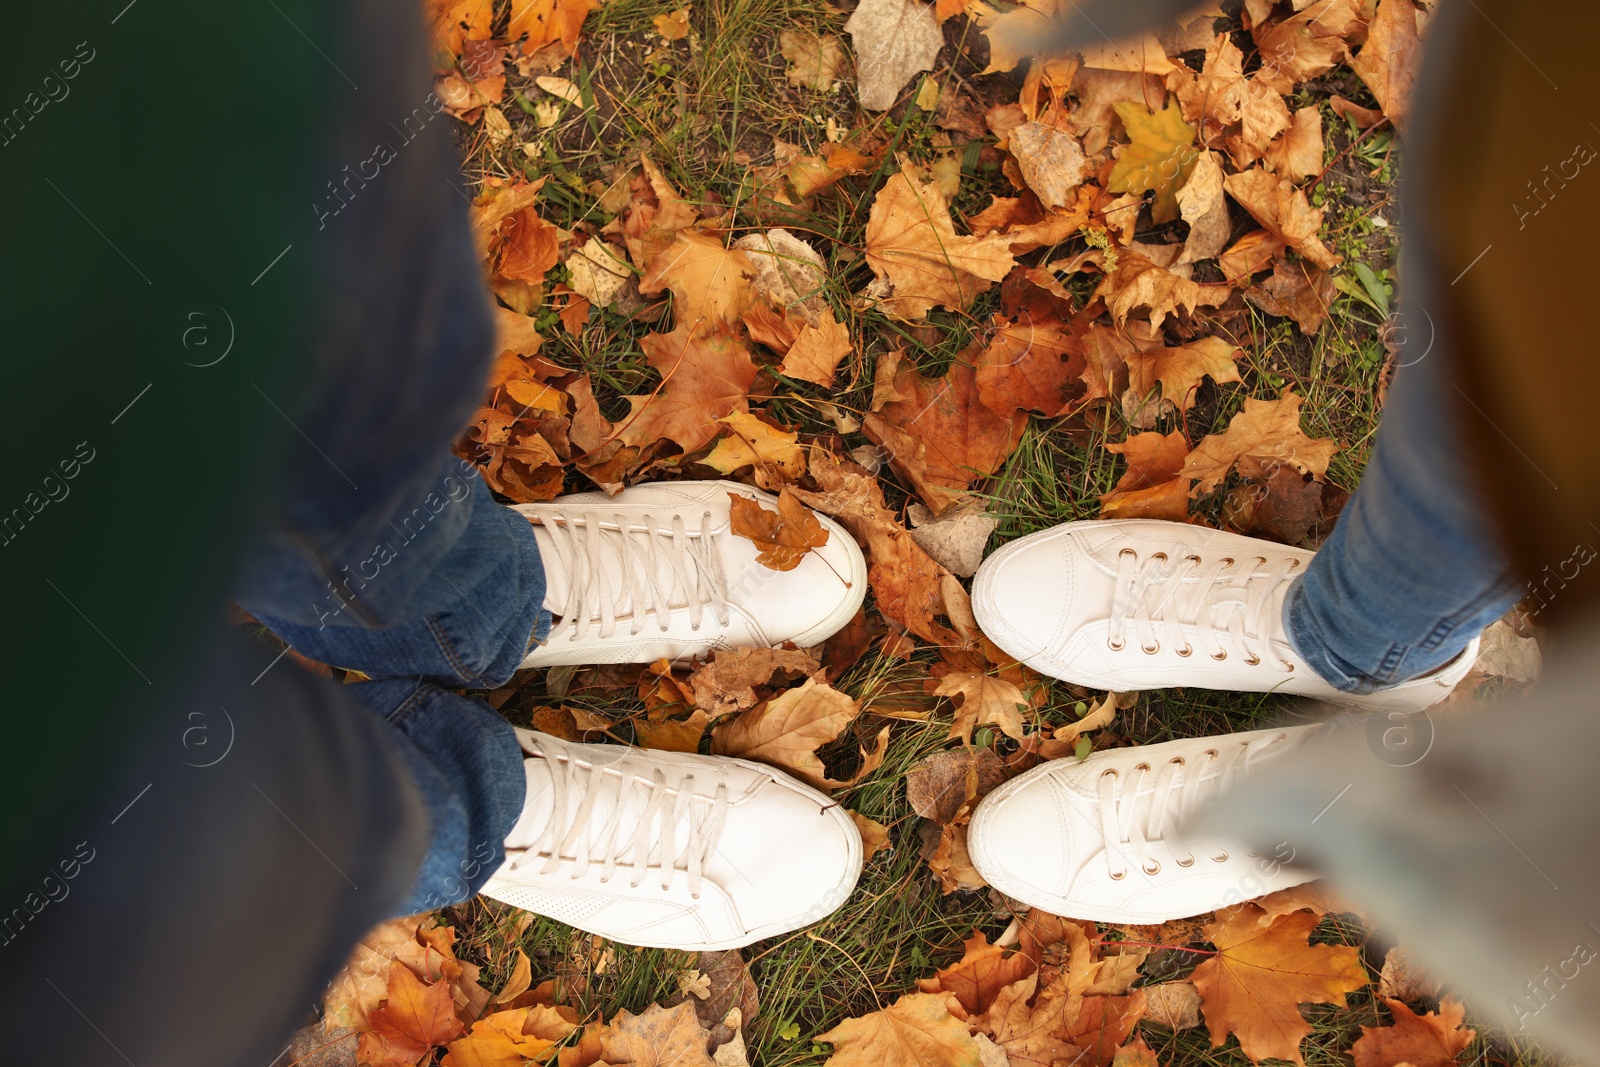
<point>1159,156</point>
<point>1297,291</point>
<point>412,1021</point>
<point>657,1037</point>
<point>450,22</point>
<point>705,376</point>
<point>1431,1040</point>
<point>1297,153</point>
<point>783,536</point>
<point>727,683</point>
<point>1180,369</point>
<point>893,39</point>
<point>786,730</point>
<point>984,699</point>
<point>814,59</point>
<point>1284,211</point>
<point>1151,487</point>
<point>1307,43</point>
<point>1390,59</point>
<point>1139,283</point>
<point>817,350</point>
<point>1244,112</point>
<point>1029,1027</point>
<point>1035,364</point>
<point>1252,986</point>
<point>916,1031</point>
<point>755,442</point>
<point>977,978</point>
<point>710,284</point>
<point>914,250</point>
<point>1268,429</point>
<point>674,25</point>
<point>874,836</point>
<point>937,431</point>
<point>500,1040</point>
<point>1051,161</point>
<point>544,21</point>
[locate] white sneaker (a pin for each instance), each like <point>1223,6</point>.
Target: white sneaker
<point>655,572</point>
<point>1099,838</point>
<point>671,850</point>
<point>1126,604</point>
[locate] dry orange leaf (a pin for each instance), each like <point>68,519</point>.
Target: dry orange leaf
<point>1389,61</point>
<point>817,350</point>
<point>498,1040</point>
<point>786,730</point>
<point>1030,1028</point>
<point>1227,104</point>
<point>918,258</point>
<point>1150,487</point>
<point>1037,365</point>
<point>1266,429</point>
<point>545,21</point>
<point>710,284</point>
<point>753,442</point>
<point>1180,369</point>
<point>728,682</point>
<point>984,699</point>
<point>977,978</point>
<point>1431,1040</point>
<point>704,377</point>
<point>657,1037</point>
<point>1284,211</point>
<point>673,26</point>
<point>783,536</point>
<point>411,1022</point>
<point>1252,987</point>
<point>1308,43</point>
<point>938,433</point>
<point>874,835</point>
<point>450,22</point>
<point>916,1031</point>
<point>1138,283</point>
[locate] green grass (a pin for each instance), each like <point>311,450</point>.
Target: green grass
<point>706,110</point>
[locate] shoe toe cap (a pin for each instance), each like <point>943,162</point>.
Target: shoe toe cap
<point>787,858</point>
<point>1026,841</point>
<point>1023,596</point>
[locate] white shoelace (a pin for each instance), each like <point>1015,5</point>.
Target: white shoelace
<point>1222,603</point>
<point>582,544</point>
<point>576,838</point>
<point>1133,818</point>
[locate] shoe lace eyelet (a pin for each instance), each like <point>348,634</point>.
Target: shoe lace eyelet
<point>1153,869</point>
<point>1162,556</point>
<point>1261,561</point>
<point>1220,655</point>
<point>1112,771</point>
<point>1126,552</point>
<point>1186,863</point>
<point>1150,649</point>
<point>1254,661</point>
<point>1287,664</point>
<point>1178,760</point>
<point>1227,561</point>
<point>1213,753</point>
<point>1186,651</point>
<point>1222,858</point>
<point>1117,647</point>
<point>1142,767</point>
<point>1117,876</point>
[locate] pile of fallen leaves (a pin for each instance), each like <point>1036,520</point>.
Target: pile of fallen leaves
<point>1159,198</point>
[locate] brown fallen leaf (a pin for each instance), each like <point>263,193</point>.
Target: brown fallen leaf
<point>1179,370</point>
<point>1253,986</point>
<point>1253,252</point>
<point>1308,43</point>
<point>950,860</point>
<point>705,376</point>
<point>412,1021</point>
<point>985,699</point>
<point>1431,1040</point>
<point>786,730</point>
<point>1282,508</point>
<point>1297,153</point>
<point>1051,161</point>
<point>544,21</point>
<point>657,1037</point>
<point>938,785</point>
<point>1284,211</point>
<point>1267,429</point>
<point>874,835</point>
<point>509,1038</point>
<point>751,441</point>
<point>937,431</point>
<point>817,350</point>
<point>1036,364</point>
<point>1390,60</point>
<point>915,1031</point>
<point>917,256</point>
<point>978,976</point>
<point>1135,1054</point>
<point>893,40</point>
<point>783,536</point>
<point>710,283</point>
<point>1138,283</point>
<point>814,59</point>
<point>1297,291</point>
<point>788,272</point>
<point>727,683</point>
<point>1205,209</point>
<point>674,25</point>
<point>1151,487</point>
<point>451,22</point>
<point>1102,1025</point>
<point>1175,1005</point>
<point>1028,1022</point>
<point>1242,112</point>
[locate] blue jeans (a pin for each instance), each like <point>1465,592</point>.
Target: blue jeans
<point>1412,571</point>
<point>427,599</point>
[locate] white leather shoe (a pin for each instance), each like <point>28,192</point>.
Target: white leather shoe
<point>671,850</point>
<point>655,572</point>
<point>1126,604</point>
<point>1099,838</point>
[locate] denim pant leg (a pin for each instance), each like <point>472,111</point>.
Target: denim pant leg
<point>1413,570</point>
<point>455,601</point>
